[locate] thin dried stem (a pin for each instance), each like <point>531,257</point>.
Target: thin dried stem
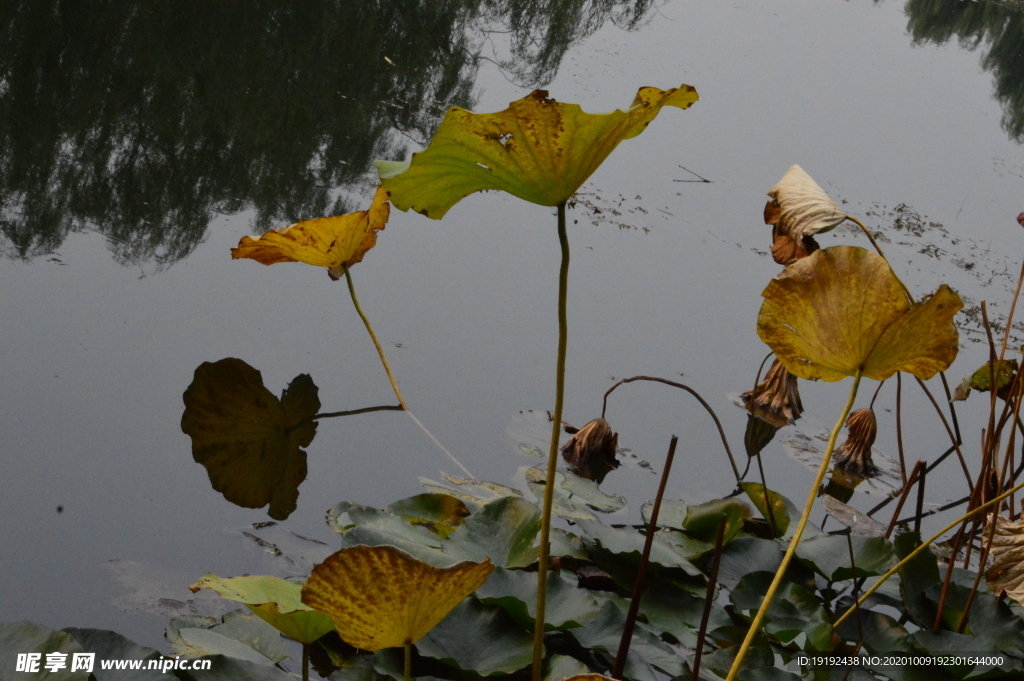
<point>709,597</point>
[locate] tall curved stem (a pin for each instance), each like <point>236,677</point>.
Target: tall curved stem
<point>811,496</point>
<point>376,343</point>
<point>556,426</point>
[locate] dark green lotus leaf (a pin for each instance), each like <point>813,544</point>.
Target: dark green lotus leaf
<point>672,610</point>
<point>953,644</point>
<point>916,577</point>
<point>671,514</point>
<point>646,650</point>
<point>109,645</point>
<point>568,607</point>
<point>574,497</point>
<point>240,635</point>
<point>830,556</point>
<point>473,493</point>
<point>881,633</point>
<point>702,520</point>
<point>780,516</point>
<point>559,667</point>
<point>747,554</point>
<point>28,637</point>
<point>250,443</point>
<point>504,531</point>
<point>630,542</point>
<point>566,544</point>
<point>992,620</point>
<point>793,611</point>
<point>439,513</point>
<point>760,657</point>
<point>369,526</point>
<point>456,640</point>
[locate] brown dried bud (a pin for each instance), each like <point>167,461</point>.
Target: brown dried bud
<point>776,399</point>
<point>786,250</point>
<point>1020,219</point>
<point>854,455</point>
<point>590,452</point>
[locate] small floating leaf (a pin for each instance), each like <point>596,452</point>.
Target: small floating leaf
<point>842,309</point>
<point>334,242</point>
<point>249,441</point>
<point>538,149</point>
<point>981,380</point>
<point>381,597</point>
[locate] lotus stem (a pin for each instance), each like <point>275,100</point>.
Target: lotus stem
<point>874,243</point>
<point>305,662</point>
<point>556,427</point>
<point>708,599</point>
<point>919,549</point>
<point>791,550</point>
<point>407,675</point>
<point>373,337</point>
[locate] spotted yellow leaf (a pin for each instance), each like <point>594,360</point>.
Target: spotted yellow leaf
<point>335,243</point>
<point>381,597</point>
<point>841,309</point>
<point>537,149</point>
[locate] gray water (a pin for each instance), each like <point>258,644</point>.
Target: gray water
<point>117,286</point>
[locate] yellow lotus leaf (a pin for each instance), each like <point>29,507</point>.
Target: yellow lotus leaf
<point>335,243</point>
<point>537,149</point>
<point>381,597</point>
<point>801,207</point>
<point>841,309</point>
<point>1006,558</point>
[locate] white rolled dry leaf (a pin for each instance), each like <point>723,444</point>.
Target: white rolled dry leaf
<point>1006,558</point>
<point>804,207</point>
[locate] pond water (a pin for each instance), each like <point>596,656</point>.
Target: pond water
<point>139,145</point>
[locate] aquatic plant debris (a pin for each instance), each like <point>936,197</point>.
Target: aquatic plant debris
<point>841,309</point>
<point>333,242</point>
<point>538,149</point>
<point>381,597</point>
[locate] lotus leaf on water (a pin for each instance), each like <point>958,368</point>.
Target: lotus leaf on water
<point>249,441</point>
<point>981,380</point>
<point>381,597</point>
<point>841,309</point>
<point>538,149</point>
<point>276,601</point>
<point>333,242</point>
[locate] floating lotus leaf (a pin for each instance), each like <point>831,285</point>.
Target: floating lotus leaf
<point>798,209</point>
<point>335,243</point>
<point>842,309</point>
<point>381,597</point>
<point>981,380</point>
<point>249,441</point>
<point>1006,556</point>
<point>537,149</point>
<point>439,513</point>
<point>756,494</point>
<point>276,601</point>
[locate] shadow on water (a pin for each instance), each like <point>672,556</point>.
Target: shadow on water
<point>996,24</point>
<point>142,122</point>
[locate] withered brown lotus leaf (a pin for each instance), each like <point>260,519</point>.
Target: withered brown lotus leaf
<point>1006,556</point>
<point>381,597</point>
<point>854,455</point>
<point>590,452</point>
<point>786,250</point>
<point>335,242</point>
<point>776,399</point>
<point>537,149</point>
<point>841,309</point>
<point>803,207</point>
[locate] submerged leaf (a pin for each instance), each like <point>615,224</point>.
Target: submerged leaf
<point>335,242</point>
<point>842,309</point>
<point>538,149</point>
<point>798,209</point>
<point>1006,554</point>
<point>381,597</point>
<point>249,441</point>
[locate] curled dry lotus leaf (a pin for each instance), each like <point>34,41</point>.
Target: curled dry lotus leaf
<point>249,441</point>
<point>276,601</point>
<point>1006,556</point>
<point>381,597</point>
<point>335,242</point>
<point>801,207</point>
<point>538,149</point>
<point>842,309</point>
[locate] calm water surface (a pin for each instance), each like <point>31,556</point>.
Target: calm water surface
<point>138,147</point>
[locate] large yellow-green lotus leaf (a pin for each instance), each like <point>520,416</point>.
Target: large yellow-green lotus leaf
<point>276,601</point>
<point>381,597</point>
<point>335,242</point>
<point>537,149</point>
<point>842,309</point>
